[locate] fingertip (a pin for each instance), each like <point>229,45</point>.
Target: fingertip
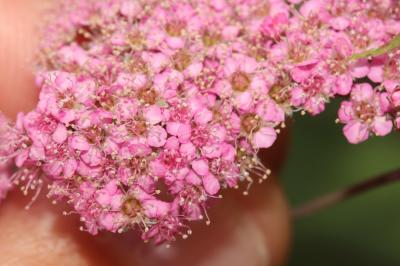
<point>18,39</point>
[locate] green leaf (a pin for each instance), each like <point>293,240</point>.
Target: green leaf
<point>393,44</point>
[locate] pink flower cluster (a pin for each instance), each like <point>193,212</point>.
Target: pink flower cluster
<point>149,108</point>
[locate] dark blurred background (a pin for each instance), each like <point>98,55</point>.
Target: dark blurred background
<point>361,231</point>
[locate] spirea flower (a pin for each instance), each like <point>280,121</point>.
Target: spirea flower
<point>148,109</point>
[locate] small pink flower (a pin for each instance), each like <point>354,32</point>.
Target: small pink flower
<point>365,113</point>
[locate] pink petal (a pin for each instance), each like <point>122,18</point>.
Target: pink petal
<point>303,70</point>
<point>362,92</point>
<point>153,115</point>
<point>21,158</point>
<point>230,32</point>
<point>156,208</point>
<point>60,134</point>
<point>139,150</point>
<point>36,153</point>
<point>339,23</point>
<point>116,201</point>
<point>200,167</point>
<point>173,128</point>
<point>203,116</point>
<point>211,184</point>
<point>264,138</point>
<point>53,169</point>
<point>194,70</point>
<point>391,85</point>
<point>360,69</point>
<point>218,4</point>
<point>172,143</point>
<point>356,132</point>
<point>211,151</point>
<point>231,66</point>
<point>157,168</point>
<point>182,131</point>
<point>70,167</point>
<point>228,152</point>
<point>376,74</point>
<point>112,187</point>
<point>395,98</point>
<point>193,179</point>
<point>248,65</point>
<point>270,111</point>
<point>175,42</point>
<point>187,150</point>
<point>107,221</point>
<point>244,101</point>
<point>130,8</point>
<point>343,84</point>
<point>346,112</point>
<point>110,147</point>
<point>103,199</point>
<point>92,157</point>
<point>79,143</point>
<point>381,126</point>
<point>157,137</point>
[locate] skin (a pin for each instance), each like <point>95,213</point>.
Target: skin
<point>249,230</point>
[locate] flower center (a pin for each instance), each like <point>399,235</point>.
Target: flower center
<point>175,28</point>
<point>182,60</point>
<point>139,127</point>
<point>131,207</point>
<point>95,135</point>
<point>263,10</point>
<point>365,111</point>
<point>136,41</point>
<point>138,65</point>
<point>250,123</point>
<point>240,81</point>
<point>147,95</point>
<point>279,92</point>
<point>298,52</point>
<point>211,38</point>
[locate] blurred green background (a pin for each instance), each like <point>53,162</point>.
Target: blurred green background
<point>362,231</point>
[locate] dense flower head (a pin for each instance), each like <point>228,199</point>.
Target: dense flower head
<point>148,109</point>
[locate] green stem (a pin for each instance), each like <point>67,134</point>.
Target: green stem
<point>393,44</point>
